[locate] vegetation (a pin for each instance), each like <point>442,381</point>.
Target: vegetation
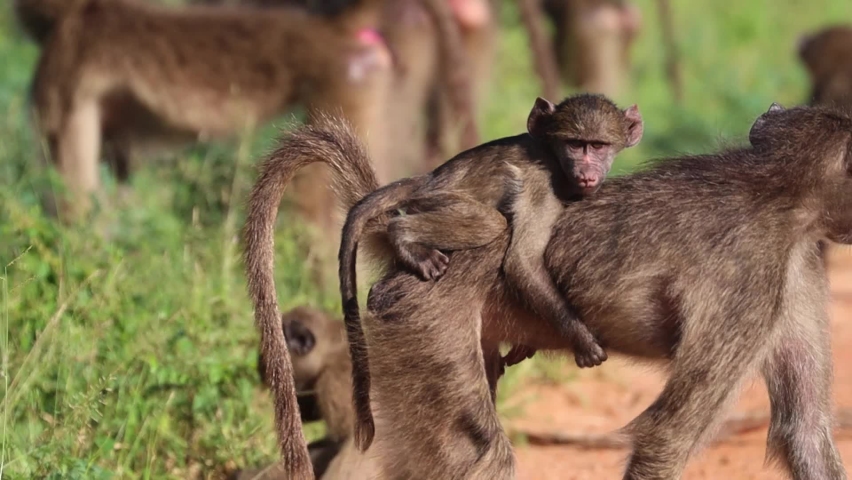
<point>128,348</point>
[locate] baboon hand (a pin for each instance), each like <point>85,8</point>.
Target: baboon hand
<point>518,354</point>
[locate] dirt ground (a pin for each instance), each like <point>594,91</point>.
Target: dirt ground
<point>604,399</point>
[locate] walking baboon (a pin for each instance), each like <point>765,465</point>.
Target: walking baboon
<point>827,56</point>
<point>134,75</point>
<point>710,262</point>
<point>522,180</point>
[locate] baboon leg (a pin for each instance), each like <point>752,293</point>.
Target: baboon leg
<point>118,157</point>
<point>493,366</point>
<point>441,222</point>
<point>798,375</point>
<point>704,375</point>
<point>76,156</point>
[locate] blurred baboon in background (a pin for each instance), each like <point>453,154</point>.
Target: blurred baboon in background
<point>592,42</point>
<point>827,56</point>
<point>133,75</point>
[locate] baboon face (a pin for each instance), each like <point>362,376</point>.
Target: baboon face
<point>308,338</point>
<point>824,170</point>
<point>585,133</point>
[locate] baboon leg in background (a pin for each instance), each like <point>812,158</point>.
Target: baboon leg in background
<point>412,34</point>
<point>77,153</point>
<point>478,26</point>
<point>592,42</point>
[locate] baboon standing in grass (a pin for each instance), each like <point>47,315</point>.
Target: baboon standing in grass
<point>710,262</point>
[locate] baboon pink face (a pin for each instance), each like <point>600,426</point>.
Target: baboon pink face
<point>586,141</point>
<point>372,54</point>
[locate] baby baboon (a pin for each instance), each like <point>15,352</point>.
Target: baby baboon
<point>827,55</point>
<point>322,372</point>
<point>710,262</point>
<point>134,75</point>
<point>566,154</point>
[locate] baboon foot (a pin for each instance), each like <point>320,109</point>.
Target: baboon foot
<point>589,355</point>
<point>428,263</point>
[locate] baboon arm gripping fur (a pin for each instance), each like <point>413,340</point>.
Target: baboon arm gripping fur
<point>332,142</point>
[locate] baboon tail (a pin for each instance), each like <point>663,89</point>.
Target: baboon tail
<point>332,142</point>
<point>39,17</point>
<point>369,208</point>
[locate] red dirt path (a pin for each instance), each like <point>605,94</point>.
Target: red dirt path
<point>604,399</point>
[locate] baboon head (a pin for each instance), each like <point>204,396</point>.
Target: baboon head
<point>310,336</point>
<point>814,146</point>
<point>585,132</point>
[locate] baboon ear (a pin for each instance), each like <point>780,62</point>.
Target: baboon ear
<point>541,111</point>
<point>635,125</point>
<point>775,107</point>
<point>300,339</point>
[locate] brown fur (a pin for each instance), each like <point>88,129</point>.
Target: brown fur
<point>467,202</point>
<point>827,56</point>
<point>136,75</point>
<point>322,371</point>
<point>659,268</point>
<point>592,42</point>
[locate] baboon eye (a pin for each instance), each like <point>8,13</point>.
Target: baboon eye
<point>575,144</point>
<point>597,145</point>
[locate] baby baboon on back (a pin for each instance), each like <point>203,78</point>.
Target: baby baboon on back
<point>522,180</point>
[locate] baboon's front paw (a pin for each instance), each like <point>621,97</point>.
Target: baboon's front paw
<point>591,357</point>
<point>433,265</point>
<point>518,354</point>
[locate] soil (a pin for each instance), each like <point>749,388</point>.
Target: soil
<point>604,399</point>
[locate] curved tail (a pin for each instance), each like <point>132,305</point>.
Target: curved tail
<point>39,17</point>
<point>333,142</point>
<point>364,213</point>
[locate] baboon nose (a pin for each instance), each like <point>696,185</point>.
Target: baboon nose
<point>589,181</point>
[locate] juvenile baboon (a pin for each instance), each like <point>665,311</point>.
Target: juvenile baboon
<point>521,181</point>
<point>592,41</point>
<point>133,75</point>
<point>827,56</point>
<point>322,372</point>
<point>710,262</point>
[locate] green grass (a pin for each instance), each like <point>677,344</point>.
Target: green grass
<point>128,348</point>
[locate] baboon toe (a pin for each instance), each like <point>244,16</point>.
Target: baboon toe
<point>433,266</point>
<point>593,357</point>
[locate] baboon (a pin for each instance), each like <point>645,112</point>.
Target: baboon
<point>710,262</point>
<point>520,180</point>
<point>826,55</point>
<point>592,41</point>
<point>444,57</point>
<point>135,75</point>
<point>322,373</point>
<point>334,145</point>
